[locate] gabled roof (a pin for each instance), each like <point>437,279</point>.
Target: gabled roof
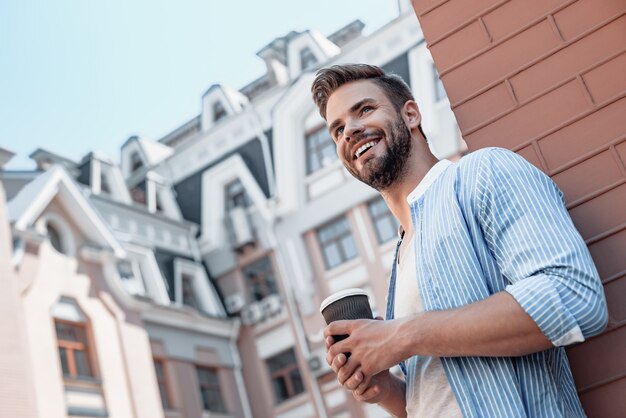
<point>30,202</point>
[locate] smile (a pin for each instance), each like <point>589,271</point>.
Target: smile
<point>363,148</point>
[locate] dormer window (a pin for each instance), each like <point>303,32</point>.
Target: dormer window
<point>135,162</point>
<point>219,112</point>
<point>189,294</point>
<point>138,194</point>
<point>307,58</point>
<point>104,184</point>
<point>236,196</point>
<point>130,274</point>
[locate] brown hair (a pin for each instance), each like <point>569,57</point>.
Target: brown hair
<point>329,79</point>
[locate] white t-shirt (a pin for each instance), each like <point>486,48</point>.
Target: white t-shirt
<point>428,392</point>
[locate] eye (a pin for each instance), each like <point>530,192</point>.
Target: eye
<point>366,109</point>
<point>338,132</point>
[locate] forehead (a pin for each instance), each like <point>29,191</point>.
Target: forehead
<point>350,93</point>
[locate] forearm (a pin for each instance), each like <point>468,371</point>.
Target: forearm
<point>496,326</point>
<point>395,402</point>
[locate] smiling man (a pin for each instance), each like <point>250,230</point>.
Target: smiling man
<point>490,280</point>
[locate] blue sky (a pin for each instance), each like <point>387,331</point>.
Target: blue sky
<point>84,75</point>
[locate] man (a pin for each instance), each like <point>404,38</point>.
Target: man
<point>490,281</point>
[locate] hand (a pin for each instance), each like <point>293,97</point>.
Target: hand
<point>373,346</point>
<point>372,390</point>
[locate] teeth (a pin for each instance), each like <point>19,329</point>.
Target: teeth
<point>364,148</point>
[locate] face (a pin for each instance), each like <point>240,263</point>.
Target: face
<point>372,140</point>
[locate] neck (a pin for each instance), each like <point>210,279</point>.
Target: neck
<point>420,162</point>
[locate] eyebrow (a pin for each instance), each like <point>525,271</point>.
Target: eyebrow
<point>353,109</point>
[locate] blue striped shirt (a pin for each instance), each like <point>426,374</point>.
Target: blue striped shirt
<point>493,222</point>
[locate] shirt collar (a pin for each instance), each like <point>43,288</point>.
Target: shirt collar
<point>430,177</point>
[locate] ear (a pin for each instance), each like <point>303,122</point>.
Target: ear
<point>411,115</point>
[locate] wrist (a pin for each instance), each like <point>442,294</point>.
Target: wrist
<point>411,331</point>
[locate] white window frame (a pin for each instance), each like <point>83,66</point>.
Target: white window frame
<point>214,182</point>
<point>68,242</point>
<point>205,295</point>
<point>149,273</point>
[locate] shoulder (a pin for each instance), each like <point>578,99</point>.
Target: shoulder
<point>483,163</point>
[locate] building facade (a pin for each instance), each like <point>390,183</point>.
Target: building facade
<point>185,281</point>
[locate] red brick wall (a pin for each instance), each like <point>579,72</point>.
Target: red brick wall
<point>547,79</point>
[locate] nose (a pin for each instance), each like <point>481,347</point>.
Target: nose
<point>352,129</point>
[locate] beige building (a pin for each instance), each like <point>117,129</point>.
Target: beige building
<point>185,281</point>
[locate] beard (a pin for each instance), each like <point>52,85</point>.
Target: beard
<point>382,171</point>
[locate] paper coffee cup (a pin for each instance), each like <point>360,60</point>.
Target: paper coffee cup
<point>346,304</point>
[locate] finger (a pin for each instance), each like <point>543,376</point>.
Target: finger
<point>329,341</point>
<point>353,381</point>
<point>348,370</point>
<point>342,346</point>
<point>338,328</point>
<point>363,386</point>
<point>338,362</point>
<point>368,394</point>
<point>330,358</point>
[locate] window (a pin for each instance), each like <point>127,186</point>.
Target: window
<point>159,367</point>
<point>73,349</point>
<point>54,236</point>
<point>260,279</point>
<point>307,59</point>
<point>440,91</point>
<point>138,194</point>
<point>236,196</point>
<point>385,223</point>
<point>132,279</point>
<point>104,184</point>
<point>285,375</point>
<point>336,242</point>
<point>320,150</point>
<point>188,293</point>
<point>210,393</point>
<point>135,162</point>
<point>218,111</point>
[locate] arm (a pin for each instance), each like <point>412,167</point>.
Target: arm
<point>554,297</point>
<point>384,389</point>
<point>496,326</point>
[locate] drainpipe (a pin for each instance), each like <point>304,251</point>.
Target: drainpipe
<point>243,395</point>
<point>297,324</point>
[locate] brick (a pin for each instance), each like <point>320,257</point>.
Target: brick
<point>530,155</point>
<point>570,61</point>
<point>489,104</point>
<point>584,135</point>
<point>621,151</point>
<point>459,45</point>
<point>589,368</point>
<point>609,79</point>
<point>607,401</point>
<point>421,5</point>
<point>499,61</point>
<point>532,119</point>
<point>515,14</point>
<point>615,296</point>
<point>451,15</point>
<point>589,176</point>
<point>571,24</point>
<point>600,214</point>
<point>608,254</point>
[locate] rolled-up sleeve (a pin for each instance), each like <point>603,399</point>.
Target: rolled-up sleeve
<point>538,249</point>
